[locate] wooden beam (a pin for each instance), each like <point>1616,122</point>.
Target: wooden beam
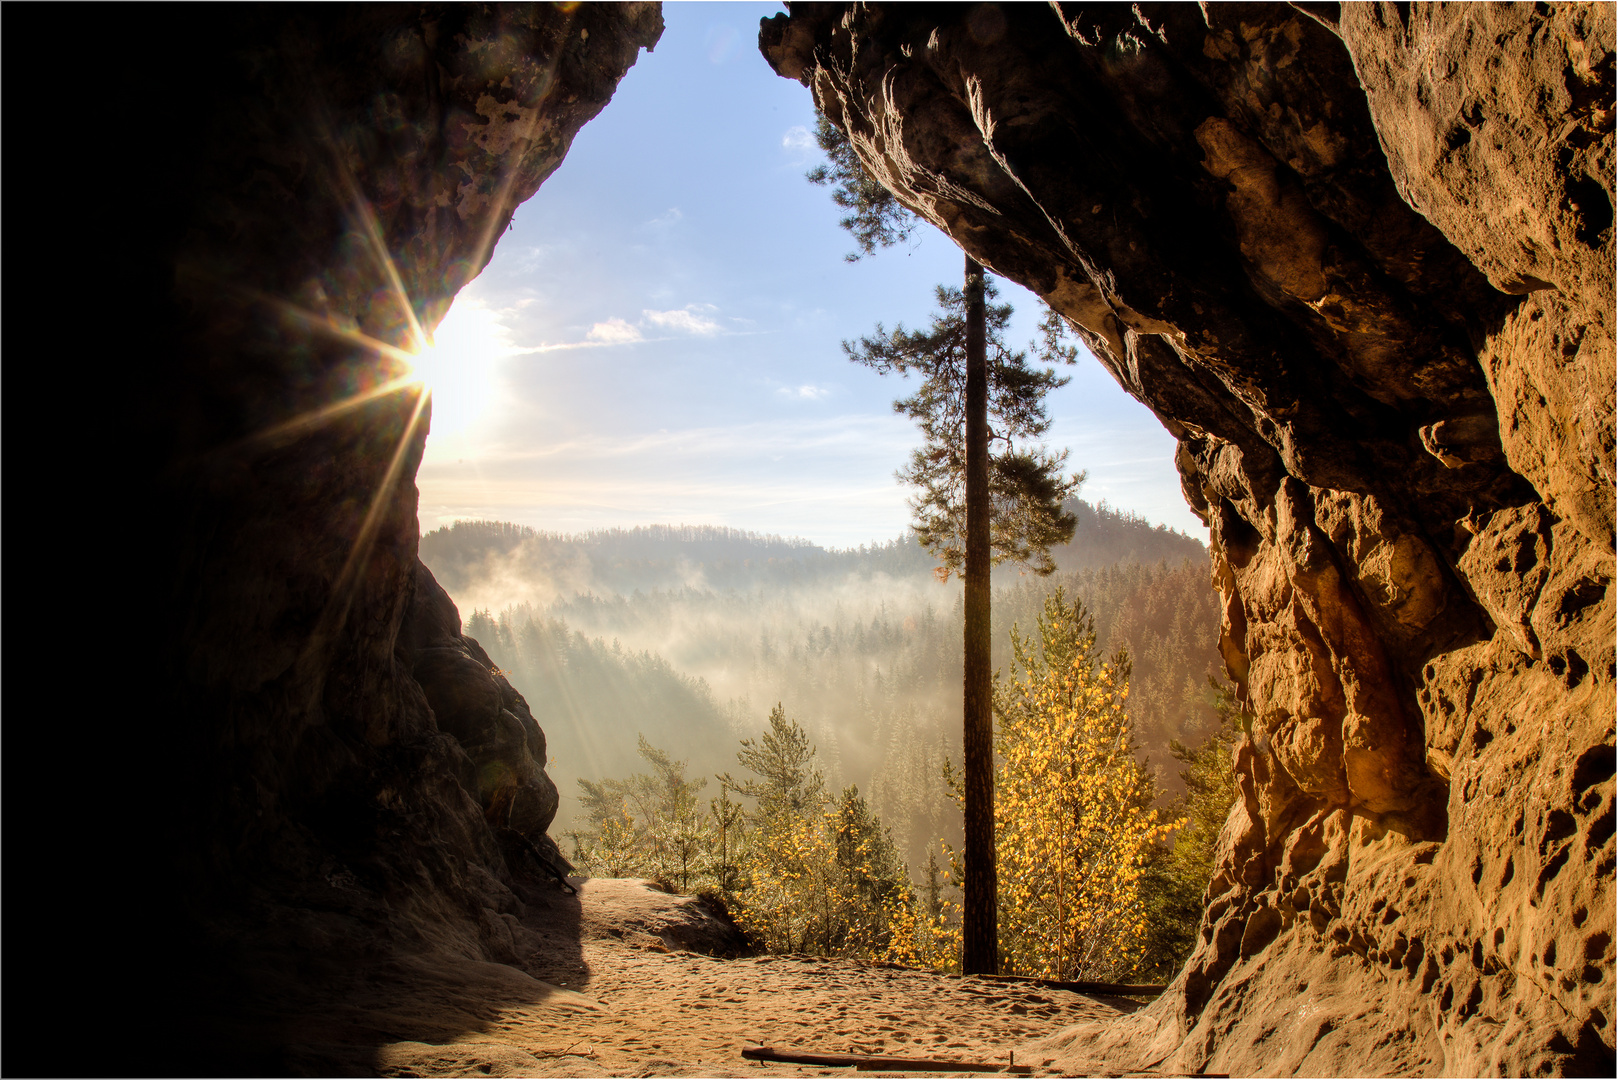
<point>869,1063</point>
<point>1116,989</point>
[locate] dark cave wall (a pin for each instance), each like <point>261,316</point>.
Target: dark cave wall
<point>358,177</point>
<point>230,219</point>
<point>1359,261</point>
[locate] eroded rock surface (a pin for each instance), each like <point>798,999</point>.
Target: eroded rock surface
<point>1359,261</point>
<point>473,702</point>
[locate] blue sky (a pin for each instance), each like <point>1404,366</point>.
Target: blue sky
<point>657,338</point>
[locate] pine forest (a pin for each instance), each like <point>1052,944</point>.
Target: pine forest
<point>667,664</point>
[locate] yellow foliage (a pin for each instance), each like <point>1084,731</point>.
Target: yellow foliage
<point>1073,817</point>
<point>825,880</point>
<point>787,867</point>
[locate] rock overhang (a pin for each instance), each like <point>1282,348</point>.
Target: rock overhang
<point>1261,220</point>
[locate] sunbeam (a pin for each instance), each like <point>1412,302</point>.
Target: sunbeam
<point>335,613</point>
<point>296,427</point>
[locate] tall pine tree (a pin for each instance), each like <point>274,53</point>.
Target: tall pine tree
<point>973,505</point>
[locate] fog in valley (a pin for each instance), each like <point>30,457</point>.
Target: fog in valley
<point>689,635</point>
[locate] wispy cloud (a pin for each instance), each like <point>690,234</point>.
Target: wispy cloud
<point>691,319</point>
<point>808,392</point>
<point>667,219</point>
<point>614,332</point>
<point>798,140</point>
<point>854,435</point>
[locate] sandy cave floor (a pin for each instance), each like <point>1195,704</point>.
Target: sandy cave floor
<point>614,992</point>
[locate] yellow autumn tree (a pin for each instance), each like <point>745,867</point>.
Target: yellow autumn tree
<point>819,875</point>
<point>925,925</point>
<point>787,905</point>
<point>1073,814</point>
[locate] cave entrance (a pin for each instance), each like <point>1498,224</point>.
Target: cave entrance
<point>657,337</point>
<point>657,341</point>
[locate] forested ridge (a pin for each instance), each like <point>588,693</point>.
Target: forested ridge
<point>673,646</point>
<point>689,635</point>
<point>619,561</point>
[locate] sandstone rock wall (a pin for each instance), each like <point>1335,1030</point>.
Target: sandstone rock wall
<point>237,218</point>
<point>1358,259</point>
<point>359,180</point>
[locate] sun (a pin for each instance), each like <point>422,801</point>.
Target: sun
<point>460,367</point>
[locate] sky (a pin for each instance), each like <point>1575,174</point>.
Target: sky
<point>657,338</point>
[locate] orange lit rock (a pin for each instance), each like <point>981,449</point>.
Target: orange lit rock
<point>1359,260</point>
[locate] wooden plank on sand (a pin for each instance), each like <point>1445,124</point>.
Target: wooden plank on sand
<point>1115,989</point>
<point>866,1062</point>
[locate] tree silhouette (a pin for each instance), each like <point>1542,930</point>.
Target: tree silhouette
<point>972,505</point>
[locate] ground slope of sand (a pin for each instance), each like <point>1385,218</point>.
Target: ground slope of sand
<point>614,992</point>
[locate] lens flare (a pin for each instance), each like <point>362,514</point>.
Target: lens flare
<point>460,367</point>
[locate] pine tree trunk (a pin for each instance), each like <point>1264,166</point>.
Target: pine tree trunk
<point>980,951</point>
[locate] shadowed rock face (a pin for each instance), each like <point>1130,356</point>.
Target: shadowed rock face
<point>1360,264</point>
<point>310,763</point>
<point>359,179</point>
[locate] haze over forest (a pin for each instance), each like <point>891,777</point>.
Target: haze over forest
<point>690,634</point>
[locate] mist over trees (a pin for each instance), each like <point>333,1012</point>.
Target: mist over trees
<point>494,564</point>
<point>1093,889</point>
<point>802,870</point>
<point>690,635</point>
<point>649,654</point>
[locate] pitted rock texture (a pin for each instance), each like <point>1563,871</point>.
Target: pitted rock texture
<point>309,763</point>
<point>1358,259</point>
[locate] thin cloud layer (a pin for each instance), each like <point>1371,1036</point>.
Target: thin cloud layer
<point>798,140</point>
<point>808,392</point>
<point>614,332</point>
<point>690,319</point>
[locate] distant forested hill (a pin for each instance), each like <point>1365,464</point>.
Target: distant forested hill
<point>670,556</point>
<point>689,635</point>
<point>1104,536</point>
<point>650,557</point>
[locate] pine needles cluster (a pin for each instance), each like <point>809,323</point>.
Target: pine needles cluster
<point>1026,484</point>
<point>875,218</point>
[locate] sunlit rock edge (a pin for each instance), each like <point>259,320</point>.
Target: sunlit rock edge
<point>1360,264</point>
